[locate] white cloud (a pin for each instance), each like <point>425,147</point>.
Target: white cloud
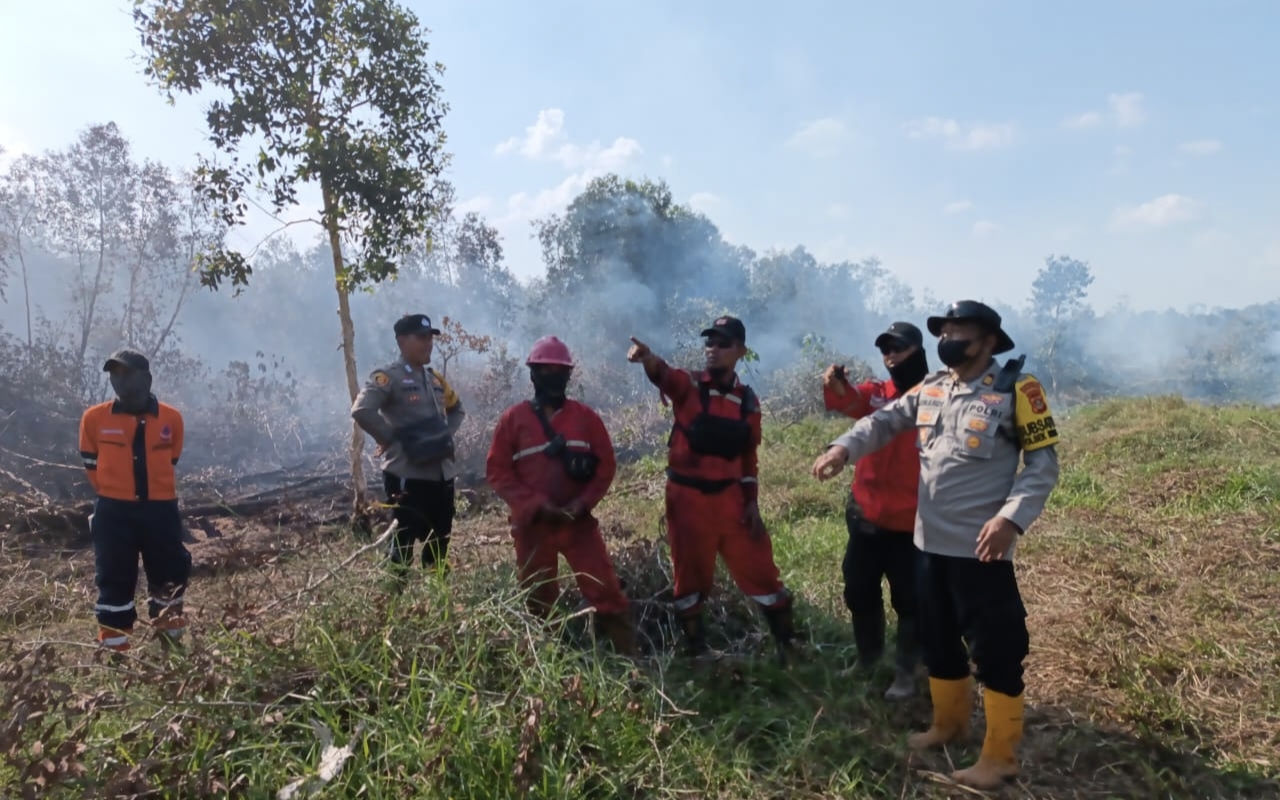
<point>1128,109</point>
<point>1201,147</point>
<point>545,140</point>
<point>539,137</point>
<point>977,136</point>
<point>1163,211</point>
<point>705,202</point>
<point>1089,119</point>
<point>481,204</point>
<point>984,228</point>
<point>821,138</point>
<point>839,211</point>
<point>958,207</point>
<point>666,162</point>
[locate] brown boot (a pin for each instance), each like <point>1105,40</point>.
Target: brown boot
<point>617,628</point>
<point>952,705</point>
<point>998,761</point>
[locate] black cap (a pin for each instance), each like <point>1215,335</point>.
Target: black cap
<point>131,359</point>
<point>903,333</point>
<point>414,323</point>
<point>972,310</point>
<point>728,326</point>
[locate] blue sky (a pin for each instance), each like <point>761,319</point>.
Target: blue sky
<point>960,143</point>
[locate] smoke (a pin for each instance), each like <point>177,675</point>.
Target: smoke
<point>261,374</point>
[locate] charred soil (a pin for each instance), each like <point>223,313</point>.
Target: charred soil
<point>1150,586</point>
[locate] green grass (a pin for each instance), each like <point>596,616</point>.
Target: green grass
<point>1150,584</point>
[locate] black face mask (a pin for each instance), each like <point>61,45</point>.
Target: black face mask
<point>909,371</point>
<point>953,352</point>
<point>133,390</point>
<point>549,387</point>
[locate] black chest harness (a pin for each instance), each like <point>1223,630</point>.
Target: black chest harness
<point>579,466</point>
<point>721,437</point>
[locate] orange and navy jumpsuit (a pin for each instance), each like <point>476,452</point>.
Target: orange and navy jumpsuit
<point>130,463</point>
<point>706,497</point>
<point>526,478</point>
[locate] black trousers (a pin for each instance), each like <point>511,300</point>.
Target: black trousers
<point>424,511</point>
<point>871,555</point>
<point>123,530</point>
<point>964,601</point>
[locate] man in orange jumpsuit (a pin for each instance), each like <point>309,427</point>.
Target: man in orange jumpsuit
<point>881,511</point>
<point>130,446</point>
<point>712,484</point>
<point>552,461</point>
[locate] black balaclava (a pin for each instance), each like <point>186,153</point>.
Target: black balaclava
<point>133,389</point>
<point>910,371</point>
<point>549,387</point>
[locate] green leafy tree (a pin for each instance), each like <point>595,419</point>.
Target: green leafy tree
<point>338,94</point>
<point>1058,307</point>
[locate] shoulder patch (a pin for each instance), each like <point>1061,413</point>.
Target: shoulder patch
<point>380,378</point>
<point>1030,388</point>
<point>1032,417</point>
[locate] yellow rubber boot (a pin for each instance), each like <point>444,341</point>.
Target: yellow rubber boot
<point>952,705</point>
<point>998,761</point>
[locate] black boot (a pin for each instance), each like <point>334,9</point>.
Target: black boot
<point>905,660</point>
<point>695,634</point>
<point>868,636</point>
<point>782,626</point>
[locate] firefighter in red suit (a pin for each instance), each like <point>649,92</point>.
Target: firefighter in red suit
<point>712,487</point>
<point>551,461</point>
<point>881,511</point>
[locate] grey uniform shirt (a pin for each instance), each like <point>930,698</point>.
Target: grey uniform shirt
<point>397,395</point>
<point>970,439</point>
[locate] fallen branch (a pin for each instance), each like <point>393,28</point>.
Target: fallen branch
<point>312,586</point>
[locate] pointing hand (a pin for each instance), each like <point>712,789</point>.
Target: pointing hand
<point>638,352</point>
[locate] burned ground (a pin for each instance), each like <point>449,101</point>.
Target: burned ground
<point>1150,585</point>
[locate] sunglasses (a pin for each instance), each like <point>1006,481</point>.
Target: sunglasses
<point>893,348</point>
<point>719,342</point>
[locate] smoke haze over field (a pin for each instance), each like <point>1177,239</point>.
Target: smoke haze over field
<point>100,229</point>
<point>623,259</point>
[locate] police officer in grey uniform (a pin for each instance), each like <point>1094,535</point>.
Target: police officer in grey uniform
<point>974,422</point>
<point>413,414</point>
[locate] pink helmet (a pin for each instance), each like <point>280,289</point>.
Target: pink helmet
<point>550,350</point>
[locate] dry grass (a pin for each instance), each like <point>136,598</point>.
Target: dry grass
<point>1151,588</point>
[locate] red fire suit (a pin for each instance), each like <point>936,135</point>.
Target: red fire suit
<point>526,478</point>
<point>885,483</point>
<point>706,520</point>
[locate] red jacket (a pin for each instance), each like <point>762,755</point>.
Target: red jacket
<point>683,389</point>
<point>886,482</point>
<point>526,478</point>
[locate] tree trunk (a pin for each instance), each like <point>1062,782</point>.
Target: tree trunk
<point>348,345</point>
<point>26,289</point>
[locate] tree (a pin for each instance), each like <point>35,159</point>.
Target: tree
<point>337,94</point>
<point>1057,305</point>
<point>88,221</point>
<point>19,220</point>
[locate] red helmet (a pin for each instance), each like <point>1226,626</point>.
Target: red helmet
<point>549,350</point>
